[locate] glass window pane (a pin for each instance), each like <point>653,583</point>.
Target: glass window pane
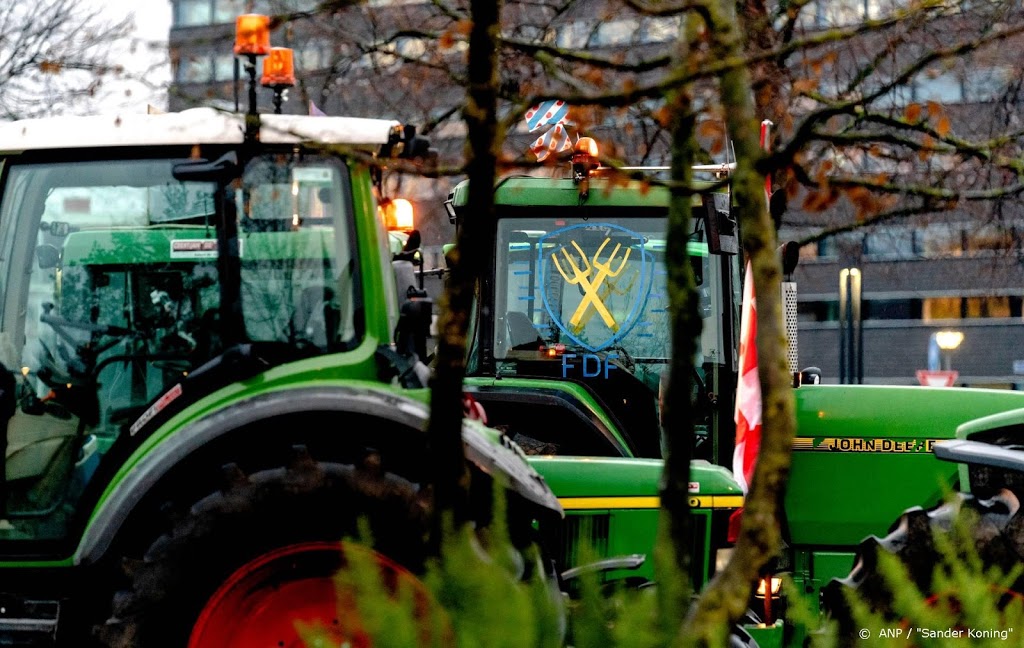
<point>617,32</point>
<point>943,88</point>
<point>225,11</point>
<point>195,69</point>
<point>193,12</point>
<point>941,308</point>
<point>661,29</point>
<point>224,67</point>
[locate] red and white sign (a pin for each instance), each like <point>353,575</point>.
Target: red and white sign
<point>936,378</point>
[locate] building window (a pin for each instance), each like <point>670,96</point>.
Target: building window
<point>310,57</point>
<point>191,13</point>
<point>941,240</point>
<point>616,33</point>
<point>941,88</point>
<point>892,309</point>
<point>894,243</point>
<point>224,68</point>
<point>939,308</point>
<point>817,311</point>
<point>574,35</point>
<point>991,238</point>
<point>660,30</point>
<point>225,11</point>
<point>194,69</point>
<point>986,84</point>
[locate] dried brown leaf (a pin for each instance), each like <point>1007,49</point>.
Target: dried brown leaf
<point>801,86</point>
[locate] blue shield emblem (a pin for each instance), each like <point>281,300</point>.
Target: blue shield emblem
<point>594,279</point>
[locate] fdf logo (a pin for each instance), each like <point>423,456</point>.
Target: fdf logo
<point>595,280</point>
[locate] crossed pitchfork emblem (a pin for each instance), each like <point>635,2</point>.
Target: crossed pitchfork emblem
<point>590,284</point>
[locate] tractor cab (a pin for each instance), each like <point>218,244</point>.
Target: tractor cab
<point>119,293</point>
<point>578,294</point>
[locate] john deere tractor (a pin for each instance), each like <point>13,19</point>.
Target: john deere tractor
<point>988,509</point>
<point>571,344</point>
<point>200,391</point>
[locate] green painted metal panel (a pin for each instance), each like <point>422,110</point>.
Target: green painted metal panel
<point>862,455</point>
<point>813,569</point>
<point>625,477</point>
<point>543,192</point>
<point>633,531</point>
<point>1003,419</point>
<point>767,636</point>
<point>378,278</point>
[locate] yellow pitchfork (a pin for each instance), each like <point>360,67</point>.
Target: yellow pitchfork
<point>607,290</point>
<point>581,277</point>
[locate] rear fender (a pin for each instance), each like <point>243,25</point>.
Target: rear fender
<point>484,449</point>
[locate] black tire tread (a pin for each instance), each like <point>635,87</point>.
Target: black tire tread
<point>251,514</point>
<point>998,537</point>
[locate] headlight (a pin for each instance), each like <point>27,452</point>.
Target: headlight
<point>722,557</point>
<point>769,584</point>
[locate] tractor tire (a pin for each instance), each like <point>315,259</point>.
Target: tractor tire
<point>997,531</point>
<point>277,533</point>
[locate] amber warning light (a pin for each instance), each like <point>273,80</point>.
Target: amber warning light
<point>279,68</point>
<point>398,214</point>
<point>584,162</point>
<point>252,35</point>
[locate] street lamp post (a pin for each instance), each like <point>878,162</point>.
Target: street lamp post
<point>948,342</point>
<point>851,339</point>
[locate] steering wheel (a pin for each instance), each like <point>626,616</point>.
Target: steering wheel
<point>61,326</point>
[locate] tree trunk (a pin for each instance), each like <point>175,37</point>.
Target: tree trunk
<point>726,598</point>
<point>676,528</point>
<point>468,262</point>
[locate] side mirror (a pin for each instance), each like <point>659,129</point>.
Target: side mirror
<point>47,256</point>
<point>720,227</point>
<point>414,327</point>
<point>777,207</point>
<point>790,254</point>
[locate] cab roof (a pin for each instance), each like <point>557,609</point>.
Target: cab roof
<point>192,126</point>
<point>534,191</point>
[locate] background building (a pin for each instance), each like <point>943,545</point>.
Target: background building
<point>958,270</point>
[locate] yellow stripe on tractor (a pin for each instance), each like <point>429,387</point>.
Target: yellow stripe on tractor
<point>696,501</point>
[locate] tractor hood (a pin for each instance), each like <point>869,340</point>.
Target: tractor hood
<point>863,454</point>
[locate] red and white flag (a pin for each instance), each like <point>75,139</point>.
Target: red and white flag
<point>748,391</point>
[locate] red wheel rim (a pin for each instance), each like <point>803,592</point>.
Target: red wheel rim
<point>267,601</point>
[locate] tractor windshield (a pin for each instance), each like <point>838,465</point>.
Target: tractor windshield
<point>111,296</point>
<point>595,287</point>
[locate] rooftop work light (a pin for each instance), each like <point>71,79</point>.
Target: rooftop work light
<point>398,214</point>
<point>278,73</point>
<point>252,35</point>
<point>584,162</point>
<point>252,39</point>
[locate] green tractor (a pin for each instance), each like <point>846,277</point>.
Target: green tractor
<point>991,465</point>
<point>201,389</point>
<point>570,347</point>
<point>568,364</point>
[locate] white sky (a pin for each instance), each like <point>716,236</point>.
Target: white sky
<point>145,57</point>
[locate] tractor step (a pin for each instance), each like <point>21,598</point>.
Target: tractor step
<point>25,622</point>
